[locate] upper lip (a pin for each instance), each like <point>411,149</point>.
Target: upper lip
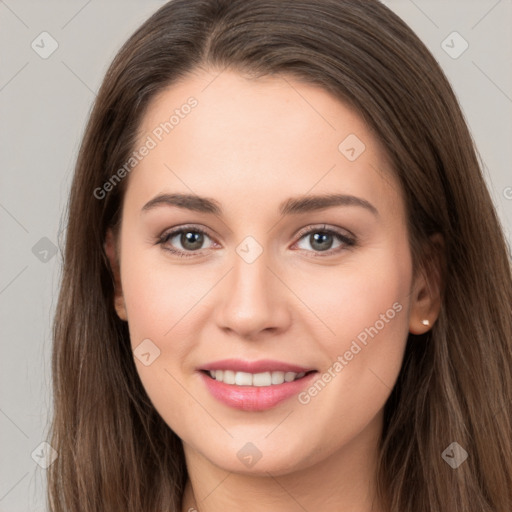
<point>261,366</point>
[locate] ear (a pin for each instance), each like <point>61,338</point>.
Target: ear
<point>426,291</point>
<point>110,247</point>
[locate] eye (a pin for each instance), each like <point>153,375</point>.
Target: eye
<point>321,240</point>
<point>191,240</point>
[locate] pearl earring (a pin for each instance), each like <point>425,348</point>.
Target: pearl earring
<point>425,322</point>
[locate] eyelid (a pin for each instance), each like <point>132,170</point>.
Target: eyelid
<point>184,227</point>
<point>326,228</point>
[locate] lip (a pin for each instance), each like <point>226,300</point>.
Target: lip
<point>263,365</point>
<point>255,398</point>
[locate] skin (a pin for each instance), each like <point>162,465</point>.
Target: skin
<point>251,144</point>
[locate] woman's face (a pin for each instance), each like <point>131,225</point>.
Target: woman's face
<point>271,272</point>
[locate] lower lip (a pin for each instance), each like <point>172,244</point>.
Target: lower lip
<point>254,398</point>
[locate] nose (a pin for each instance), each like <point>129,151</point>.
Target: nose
<point>254,300</point>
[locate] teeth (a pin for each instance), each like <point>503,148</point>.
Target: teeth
<point>243,379</point>
<point>277,377</point>
<point>254,379</point>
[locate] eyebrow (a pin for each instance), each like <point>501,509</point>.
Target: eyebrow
<point>293,205</point>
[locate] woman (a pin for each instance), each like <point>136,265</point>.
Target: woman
<point>338,335</point>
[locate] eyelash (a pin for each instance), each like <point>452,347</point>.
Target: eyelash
<point>344,239</point>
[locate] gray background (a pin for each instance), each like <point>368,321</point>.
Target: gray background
<point>44,106</point>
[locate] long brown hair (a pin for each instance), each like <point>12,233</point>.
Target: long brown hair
<point>114,450</point>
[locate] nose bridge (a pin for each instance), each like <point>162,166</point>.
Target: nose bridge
<point>252,300</point>
<point>250,274</point>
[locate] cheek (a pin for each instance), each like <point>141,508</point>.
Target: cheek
<point>160,300</point>
<point>158,294</point>
<point>369,292</point>
<point>367,308</point>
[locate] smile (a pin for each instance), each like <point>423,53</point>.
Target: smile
<point>254,385</point>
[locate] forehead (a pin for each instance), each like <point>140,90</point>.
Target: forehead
<point>253,109</point>
<point>263,137</point>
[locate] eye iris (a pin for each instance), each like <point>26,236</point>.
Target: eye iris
<point>192,237</point>
<point>319,238</point>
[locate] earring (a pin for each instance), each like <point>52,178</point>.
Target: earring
<point>425,322</point>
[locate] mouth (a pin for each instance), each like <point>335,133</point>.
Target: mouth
<point>262,379</point>
<point>254,385</point>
